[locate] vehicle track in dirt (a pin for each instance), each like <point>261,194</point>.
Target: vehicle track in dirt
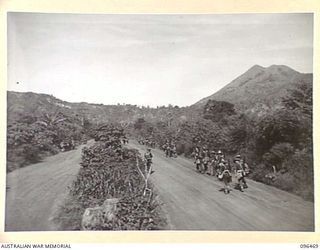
<point>193,201</point>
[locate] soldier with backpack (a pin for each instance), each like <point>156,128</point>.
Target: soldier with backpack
<point>240,173</point>
<point>205,161</point>
<point>220,156</point>
<point>213,162</point>
<point>166,148</point>
<point>148,159</point>
<point>198,161</point>
<point>225,175</point>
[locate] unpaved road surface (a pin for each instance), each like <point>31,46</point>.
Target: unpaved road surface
<point>34,191</point>
<point>193,201</point>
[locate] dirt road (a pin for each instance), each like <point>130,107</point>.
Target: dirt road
<point>193,201</point>
<point>34,191</point>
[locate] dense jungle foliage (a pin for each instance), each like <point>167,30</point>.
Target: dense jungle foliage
<point>277,145</point>
<point>264,114</point>
<point>30,138</point>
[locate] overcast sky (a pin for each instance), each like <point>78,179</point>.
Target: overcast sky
<point>149,59</point>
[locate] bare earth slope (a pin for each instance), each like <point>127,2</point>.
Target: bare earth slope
<point>194,202</point>
<point>34,191</point>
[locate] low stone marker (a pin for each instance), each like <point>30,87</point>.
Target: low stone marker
<point>92,218</point>
<point>96,217</point>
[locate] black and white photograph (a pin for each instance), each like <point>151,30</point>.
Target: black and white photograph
<point>163,122</point>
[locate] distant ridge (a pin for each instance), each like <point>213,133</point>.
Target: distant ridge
<point>259,88</point>
<point>256,91</point>
<point>21,104</point>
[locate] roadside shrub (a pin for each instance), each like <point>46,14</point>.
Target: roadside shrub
<point>300,167</point>
<point>31,138</point>
<point>259,173</point>
<point>31,154</point>
<point>277,154</point>
<point>285,182</point>
<point>181,148</point>
<point>280,127</point>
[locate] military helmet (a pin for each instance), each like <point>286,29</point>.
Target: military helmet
<point>237,158</point>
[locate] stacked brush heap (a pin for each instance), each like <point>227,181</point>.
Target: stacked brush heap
<point>110,170</point>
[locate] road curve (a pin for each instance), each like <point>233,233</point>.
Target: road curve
<point>193,201</point>
<point>34,191</point>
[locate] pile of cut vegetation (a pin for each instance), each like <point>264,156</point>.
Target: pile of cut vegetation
<point>110,171</point>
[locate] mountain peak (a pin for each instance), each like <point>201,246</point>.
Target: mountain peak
<point>259,86</point>
<point>257,67</point>
<point>280,68</point>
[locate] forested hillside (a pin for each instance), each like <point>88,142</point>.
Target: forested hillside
<point>260,89</point>
<point>267,118</point>
<point>40,125</point>
<point>26,104</point>
<point>264,114</point>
